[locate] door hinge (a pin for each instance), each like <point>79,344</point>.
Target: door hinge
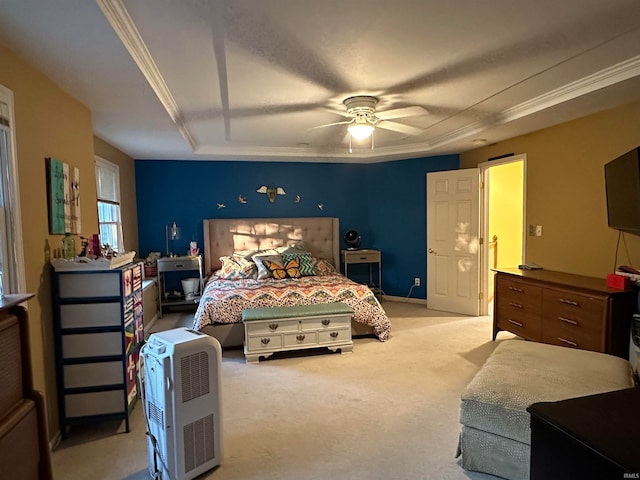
<point>480,295</point>
<point>481,241</point>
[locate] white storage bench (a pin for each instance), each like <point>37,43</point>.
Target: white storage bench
<point>276,329</point>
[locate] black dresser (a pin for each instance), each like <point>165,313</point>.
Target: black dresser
<point>592,437</point>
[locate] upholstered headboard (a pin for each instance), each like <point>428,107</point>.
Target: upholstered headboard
<point>223,236</point>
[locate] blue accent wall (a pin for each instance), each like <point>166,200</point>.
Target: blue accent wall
<point>385,202</point>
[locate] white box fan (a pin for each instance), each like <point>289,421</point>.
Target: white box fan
<point>182,404</point>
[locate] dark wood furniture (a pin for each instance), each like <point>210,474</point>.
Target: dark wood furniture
<point>593,437</point>
<point>24,447</point>
<point>563,309</point>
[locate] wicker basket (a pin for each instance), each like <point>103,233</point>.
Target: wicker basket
<point>150,271</point>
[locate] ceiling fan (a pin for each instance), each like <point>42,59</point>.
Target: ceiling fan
<point>363,118</point>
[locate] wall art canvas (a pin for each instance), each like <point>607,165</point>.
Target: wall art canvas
<point>63,185</point>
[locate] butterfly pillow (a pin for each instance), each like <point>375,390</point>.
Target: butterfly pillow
<point>291,269</point>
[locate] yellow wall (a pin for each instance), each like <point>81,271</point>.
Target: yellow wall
<point>505,212</point>
<point>565,190</point>
<point>50,123</point>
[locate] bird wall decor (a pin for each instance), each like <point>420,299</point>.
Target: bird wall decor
<point>271,191</point>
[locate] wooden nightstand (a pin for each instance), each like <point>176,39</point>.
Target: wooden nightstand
<point>364,255</point>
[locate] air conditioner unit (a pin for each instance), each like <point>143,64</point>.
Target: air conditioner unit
<point>182,405</point>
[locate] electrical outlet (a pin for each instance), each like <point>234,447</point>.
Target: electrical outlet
<point>416,281</point>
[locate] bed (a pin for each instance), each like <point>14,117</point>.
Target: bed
<point>219,313</point>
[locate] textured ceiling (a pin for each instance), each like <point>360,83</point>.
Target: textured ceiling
<point>253,79</point>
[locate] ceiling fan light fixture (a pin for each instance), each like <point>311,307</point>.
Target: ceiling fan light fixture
<point>360,129</point>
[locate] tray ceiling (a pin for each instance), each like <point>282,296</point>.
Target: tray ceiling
<point>252,79</point>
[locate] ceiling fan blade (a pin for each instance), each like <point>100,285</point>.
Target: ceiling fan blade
<point>402,112</point>
<point>329,125</point>
<point>399,127</point>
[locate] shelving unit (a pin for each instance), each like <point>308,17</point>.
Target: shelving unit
<point>99,329</point>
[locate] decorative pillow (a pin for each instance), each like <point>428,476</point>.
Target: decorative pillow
<point>305,261</point>
<point>323,267</point>
<point>236,267</point>
<point>263,272</point>
<point>278,271</point>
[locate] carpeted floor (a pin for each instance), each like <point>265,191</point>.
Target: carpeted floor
<point>386,411</point>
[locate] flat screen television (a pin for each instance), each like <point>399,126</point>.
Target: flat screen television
<point>622,179</point>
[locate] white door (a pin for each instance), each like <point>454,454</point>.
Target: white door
<point>453,253</point>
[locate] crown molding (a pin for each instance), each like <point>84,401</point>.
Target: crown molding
<point>122,23</point>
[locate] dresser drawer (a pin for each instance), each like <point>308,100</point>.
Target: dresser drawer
<point>519,295</point>
<point>300,339</point>
<point>334,336</point>
<point>272,326</point>
<point>326,323</point>
<point>559,333</point>
<point>589,311</point>
<point>264,342</point>
<point>524,324</point>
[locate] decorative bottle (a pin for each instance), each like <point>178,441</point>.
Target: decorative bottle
<point>68,247</point>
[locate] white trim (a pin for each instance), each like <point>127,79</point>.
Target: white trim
<point>6,96</point>
<point>121,22</point>
<point>393,298</point>
<point>484,225</point>
<point>101,163</point>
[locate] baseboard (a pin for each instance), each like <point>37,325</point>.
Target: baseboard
<point>55,441</point>
<point>147,327</point>
<point>392,298</point>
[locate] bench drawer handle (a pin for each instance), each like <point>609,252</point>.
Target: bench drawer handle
<point>569,302</point>
<point>516,289</point>
<point>326,322</point>
<point>273,326</point>
<point>568,342</point>
<point>516,305</point>
<point>516,323</point>
<point>334,334</point>
<point>265,341</point>
<point>568,320</point>
<point>300,338</point>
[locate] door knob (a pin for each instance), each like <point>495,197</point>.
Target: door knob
<point>432,251</point>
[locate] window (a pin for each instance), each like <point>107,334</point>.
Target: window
<point>109,219</point>
<point>11,248</point>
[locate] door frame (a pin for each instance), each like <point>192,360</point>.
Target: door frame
<point>484,266</point>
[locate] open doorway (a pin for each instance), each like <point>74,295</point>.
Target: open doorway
<point>502,221</point>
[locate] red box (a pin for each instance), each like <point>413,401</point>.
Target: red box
<point>618,281</point>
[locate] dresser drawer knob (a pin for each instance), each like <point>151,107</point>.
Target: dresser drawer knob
<point>516,305</point>
<point>568,320</point>
<point>569,302</point>
<point>265,341</point>
<point>326,321</point>
<point>333,334</point>
<point>519,324</point>
<point>568,342</point>
<point>516,289</point>
<point>300,338</point>
<point>273,326</point>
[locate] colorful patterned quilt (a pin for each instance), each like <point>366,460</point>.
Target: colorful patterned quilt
<point>223,300</point>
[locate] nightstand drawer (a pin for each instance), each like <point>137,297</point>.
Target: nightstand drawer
<point>178,264</point>
<point>362,256</point>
